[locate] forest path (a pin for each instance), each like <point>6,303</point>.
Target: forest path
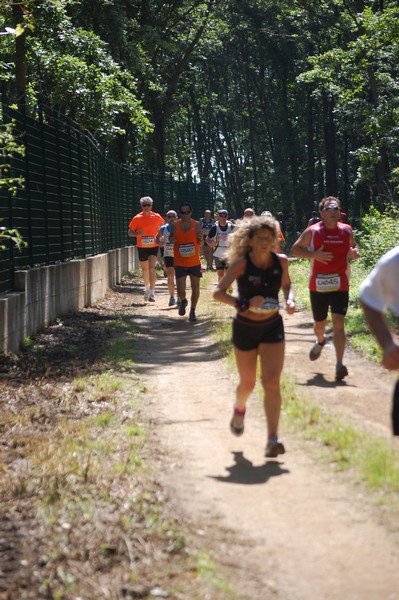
<point>301,530</point>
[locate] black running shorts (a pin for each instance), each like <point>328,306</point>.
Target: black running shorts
<point>144,253</point>
<point>248,334</point>
<point>184,271</point>
<point>338,301</point>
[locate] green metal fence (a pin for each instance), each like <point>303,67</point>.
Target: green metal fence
<point>76,202</point>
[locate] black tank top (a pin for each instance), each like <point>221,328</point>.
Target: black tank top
<point>261,282</point>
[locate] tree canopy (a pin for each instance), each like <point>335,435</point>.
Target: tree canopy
<point>277,103</point>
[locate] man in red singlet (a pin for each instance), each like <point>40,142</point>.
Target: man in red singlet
<point>187,236</point>
<point>328,244</point>
<point>145,226</point>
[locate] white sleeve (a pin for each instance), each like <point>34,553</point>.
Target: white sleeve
<point>380,289</point>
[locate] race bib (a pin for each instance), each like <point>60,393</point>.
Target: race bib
<point>269,306</point>
<point>328,283</point>
<point>186,250</point>
<point>169,248</point>
<point>147,240</point>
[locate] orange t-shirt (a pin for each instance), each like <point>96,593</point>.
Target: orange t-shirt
<point>150,224</point>
<point>186,246</point>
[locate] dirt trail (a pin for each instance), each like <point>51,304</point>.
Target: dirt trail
<point>300,530</point>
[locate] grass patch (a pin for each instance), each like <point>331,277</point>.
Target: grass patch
<point>209,572</point>
<point>120,349</point>
<point>371,460</point>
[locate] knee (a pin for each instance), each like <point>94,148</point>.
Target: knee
<point>319,325</point>
<point>338,326</point>
<point>247,385</point>
<point>271,383</point>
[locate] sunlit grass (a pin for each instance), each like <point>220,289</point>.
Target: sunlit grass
<point>209,572</point>
<point>374,460</point>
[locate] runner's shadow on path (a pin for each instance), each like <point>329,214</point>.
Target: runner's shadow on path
<point>244,472</point>
<point>318,380</point>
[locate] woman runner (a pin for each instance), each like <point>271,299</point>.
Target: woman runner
<point>258,328</point>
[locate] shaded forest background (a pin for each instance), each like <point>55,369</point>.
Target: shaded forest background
<point>276,102</point>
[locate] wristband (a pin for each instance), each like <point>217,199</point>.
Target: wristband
<point>242,304</point>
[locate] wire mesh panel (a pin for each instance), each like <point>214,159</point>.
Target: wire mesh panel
<point>75,201</point>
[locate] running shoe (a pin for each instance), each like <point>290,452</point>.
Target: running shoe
<point>192,316</point>
<point>182,307</point>
<point>237,423</point>
<point>340,372</point>
<point>146,295</point>
<point>274,447</point>
<point>316,350</point>
<point>172,301</point>
<point>151,297</point>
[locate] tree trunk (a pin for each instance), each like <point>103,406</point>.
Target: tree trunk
<point>310,157</point>
<point>330,147</point>
<point>20,58</point>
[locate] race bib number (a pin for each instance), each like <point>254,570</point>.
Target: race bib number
<point>328,283</point>
<point>269,306</point>
<point>169,249</point>
<point>186,250</point>
<point>147,240</point>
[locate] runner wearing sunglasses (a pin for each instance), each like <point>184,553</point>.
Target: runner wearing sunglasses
<point>145,226</point>
<point>328,244</point>
<point>187,236</point>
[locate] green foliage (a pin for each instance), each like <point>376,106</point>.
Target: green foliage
<point>73,71</point>
<point>359,70</point>
<point>379,233</point>
<point>9,146</point>
<point>277,101</point>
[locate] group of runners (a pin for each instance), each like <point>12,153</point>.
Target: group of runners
<point>181,240</point>
<point>249,255</point>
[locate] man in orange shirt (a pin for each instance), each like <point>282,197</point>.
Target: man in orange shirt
<point>187,236</point>
<point>145,226</point>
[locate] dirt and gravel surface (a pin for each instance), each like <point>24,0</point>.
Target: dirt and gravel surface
<point>290,528</point>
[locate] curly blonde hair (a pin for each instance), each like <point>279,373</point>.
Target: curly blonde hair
<point>239,240</point>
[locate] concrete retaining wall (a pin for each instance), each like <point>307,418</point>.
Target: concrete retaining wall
<point>45,293</point>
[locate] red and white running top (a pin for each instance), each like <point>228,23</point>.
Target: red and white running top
<point>332,276</point>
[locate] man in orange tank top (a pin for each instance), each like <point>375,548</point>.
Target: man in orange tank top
<point>187,236</point>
